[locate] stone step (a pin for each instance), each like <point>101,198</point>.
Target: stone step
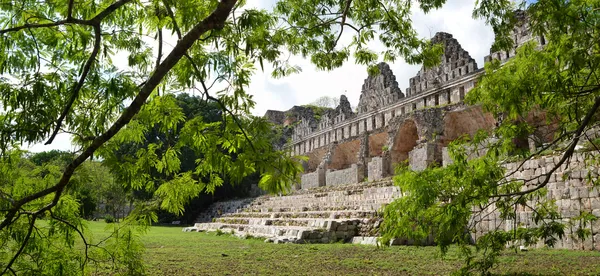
<point>306,214</point>
<point>301,222</point>
<point>321,214</point>
<point>384,192</point>
<point>382,189</point>
<point>366,205</point>
<point>385,182</point>
<point>371,207</point>
<point>323,203</point>
<point>333,232</point>
<point>327,197</point>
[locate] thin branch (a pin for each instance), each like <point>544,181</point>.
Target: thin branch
<point>70,9</point>
<point>170,13</point>
<point>79,85</point>
<point>95,21</point>
<point>106,12</point>
<point>22,247</point>
<point>208,96</point>
<point>344,15</point>
<point>45,25</point>
<point>86,245</point>
<point>160,46</point>
<point>37,51</point>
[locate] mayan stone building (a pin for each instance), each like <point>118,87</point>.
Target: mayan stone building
<point>390,126</point>
<point>351,156</point>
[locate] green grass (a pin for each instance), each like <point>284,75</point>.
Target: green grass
<point>170,251</point>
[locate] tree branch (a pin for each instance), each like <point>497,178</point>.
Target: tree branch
<point>70,9</point>
<point>160,46</point>
<point>170,13</point>
<point>22,247</point>
<point>45,25</point>
<point>344,15</point>
<point>215,20</point>
<point>92,22</point>
<point>106,12</point>
<point>79,85</point>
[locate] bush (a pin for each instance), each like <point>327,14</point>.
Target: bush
<point>109,219</point>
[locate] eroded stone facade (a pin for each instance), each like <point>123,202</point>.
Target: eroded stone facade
<point>344,148</point>
<point>455,63</point>
<point>389,127</point>
<point>379,90</point>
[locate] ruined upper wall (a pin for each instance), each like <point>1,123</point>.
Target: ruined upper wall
<point>303,120</point>
<point>381,99</point>
<point>275,116</point>
<point>520,34</point>
<point>307,119</point>
<point>456,62</point>
<point>379,90</point>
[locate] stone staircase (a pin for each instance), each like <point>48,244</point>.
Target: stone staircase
<point>317,215</point>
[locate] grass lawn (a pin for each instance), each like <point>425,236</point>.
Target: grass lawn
<point>169,251</point>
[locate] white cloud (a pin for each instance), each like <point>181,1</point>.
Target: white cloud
<point>62,141</point>
<point>454,18</point>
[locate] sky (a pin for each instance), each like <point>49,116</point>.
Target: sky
<point>310,84</point>
<point>303,88</point>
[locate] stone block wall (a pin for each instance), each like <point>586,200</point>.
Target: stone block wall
<point>378,168</point>
<point>350,175</point>
<point>446,159</point>
<point>569,187</point>
<point>314,179</point>
<point>456,62</point>
<point>422,156</point>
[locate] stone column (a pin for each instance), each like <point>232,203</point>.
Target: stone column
<point>422,156</point>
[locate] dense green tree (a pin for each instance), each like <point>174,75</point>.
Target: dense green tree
<point>193,107</point>
<point>55,248</point>
<point>97,191</point>
<point>44,157</point>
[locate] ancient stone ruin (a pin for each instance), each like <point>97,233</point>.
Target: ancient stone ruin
<point>351,156</point>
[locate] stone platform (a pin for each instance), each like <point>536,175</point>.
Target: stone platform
<point>317,215</point>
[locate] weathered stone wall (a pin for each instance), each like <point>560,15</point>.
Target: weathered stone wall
<point>387,122</point>
<point>456,62</point>
<point>344,155</point>
<point>569,187</point>
<point>404,136</point>
<point>379,90</point>
<point>377,143</point>
<point>313,179</point>
<point>378,168</point>
<point>422,156</point>
<point>468,120</point>
<point>350,175</point>
<point>521,35</point>
<point>314,159</point>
